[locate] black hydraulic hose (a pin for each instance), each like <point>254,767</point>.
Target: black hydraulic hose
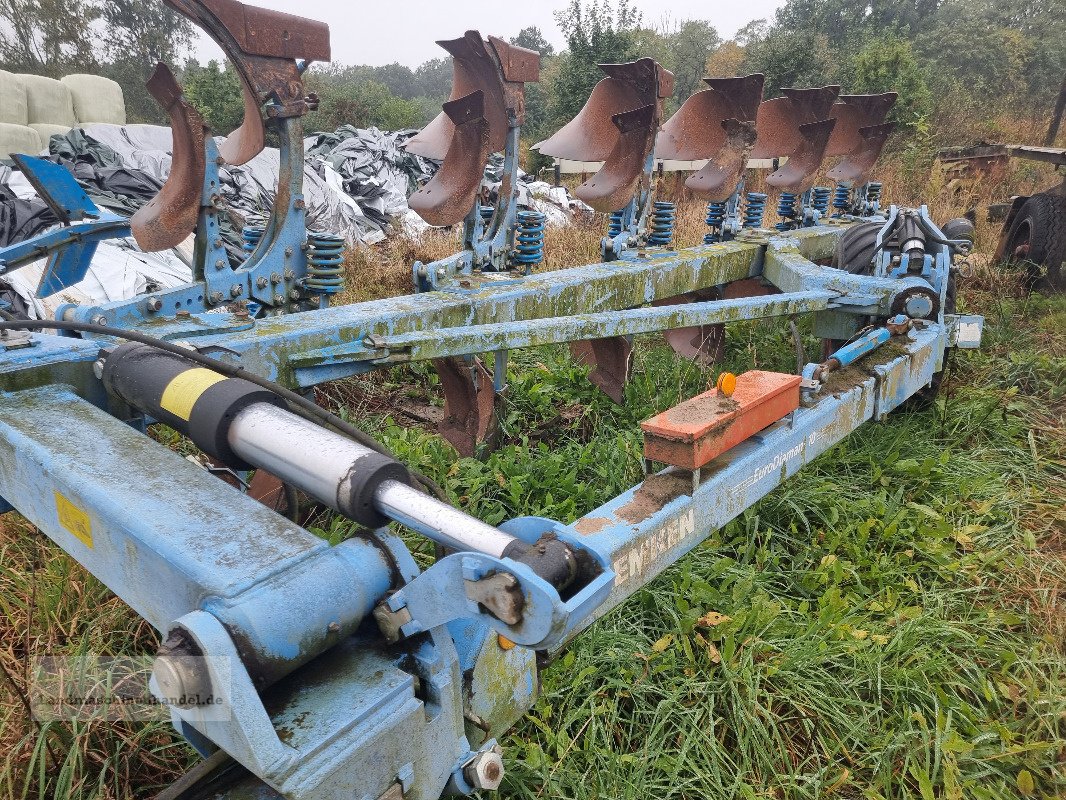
<point>299,403</point>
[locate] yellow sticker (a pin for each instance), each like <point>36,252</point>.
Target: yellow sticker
<point>74,520</point>
<point>182,393</point>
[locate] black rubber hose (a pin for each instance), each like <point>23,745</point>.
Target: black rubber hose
<point>297,402</point>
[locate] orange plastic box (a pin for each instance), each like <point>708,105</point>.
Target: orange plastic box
<point>698,430</point>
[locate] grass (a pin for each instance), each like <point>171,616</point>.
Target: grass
<point>888,624</point>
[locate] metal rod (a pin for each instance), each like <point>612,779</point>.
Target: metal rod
<point>423,345</point>
<point>439,521</point>
<point>320,462</point>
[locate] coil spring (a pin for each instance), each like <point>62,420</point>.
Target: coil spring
<point>662,224</point>
<point>324,271</point>
<point>754,209</point>
<point>820,199</point>
<point>251,236</point>
<point>786,209</point>
<point>842,198</point>
<point>714,219</point>
<point>614,225</point>
<point>529,238</point>
<point>873,192</point>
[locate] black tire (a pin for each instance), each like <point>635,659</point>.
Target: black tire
<point>959,228</point>
<point>1037,237</point>
<point>856,247</point>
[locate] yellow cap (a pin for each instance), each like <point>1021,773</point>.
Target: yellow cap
<point>727,383</point>
<point>505,643</point>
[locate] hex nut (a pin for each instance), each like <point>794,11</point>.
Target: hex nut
<point>485,771</point>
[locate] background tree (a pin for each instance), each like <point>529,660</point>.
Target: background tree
<point>48,37</point>
<point>138,34</point>
<point>595,34</point>
<point>692,43</point>
<point>532,39</point>
<point>889,64</point>
<point>215,91</point>
<point>792,58</point>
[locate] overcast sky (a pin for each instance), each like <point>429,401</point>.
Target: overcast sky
<point>379,33</point>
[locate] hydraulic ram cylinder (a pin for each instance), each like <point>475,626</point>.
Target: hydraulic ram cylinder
<point>243,425</point>
<point>345,475</point>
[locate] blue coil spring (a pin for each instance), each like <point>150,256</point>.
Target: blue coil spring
<point>325,274</point>
<point>786,209</point>
<point>614,225</point>
<point>754,209</point>
<point>873,192</point>
<point>842,198</point>
<point>714,219</point>
<point>529,238</point>
<point>662,224</point>
<point>820,199</point>
<point>251,236</point>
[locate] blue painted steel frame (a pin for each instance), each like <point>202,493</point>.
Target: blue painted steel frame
<point>283,596</point>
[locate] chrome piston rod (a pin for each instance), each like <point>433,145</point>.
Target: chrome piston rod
<point>323,464</point>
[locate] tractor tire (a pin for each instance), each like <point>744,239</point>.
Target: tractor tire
<point>856,247</point>
<point>1037,237</point>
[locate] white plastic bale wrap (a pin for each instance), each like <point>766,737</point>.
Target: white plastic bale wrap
<point>48,101</point>
<point>18,139</point>
<point>96,99</point>
<point>13,108</point>
<point>46,131</point>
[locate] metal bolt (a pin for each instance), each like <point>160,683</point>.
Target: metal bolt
<point>217,243</point>
<point>275,277</point>
<point>154,304</point>
<point>216,297</point>
<point>99,319</point>
<point>288,252</point>
<point>220,264</point>
<point>289,274</point>
<point>485,771</point>
<point>294,294</point>
<point>334,627</point>
<point>260,282</point>
<point>180,672</point>
<point>279,299</point>
<point>236,290</point>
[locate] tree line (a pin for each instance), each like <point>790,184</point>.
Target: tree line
<point>945,57</point>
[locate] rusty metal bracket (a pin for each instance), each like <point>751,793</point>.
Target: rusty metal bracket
<point>717,124</point>
<point>263,46</point>
<point>617,125</point>
<point>470,417</point>
<point>859,134</point>
<point>167,219</point>
<point>797,174</point>
<point>487,101</point>
<point>609,359</point>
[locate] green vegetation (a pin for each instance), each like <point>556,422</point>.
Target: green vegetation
<point>884,625</point>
